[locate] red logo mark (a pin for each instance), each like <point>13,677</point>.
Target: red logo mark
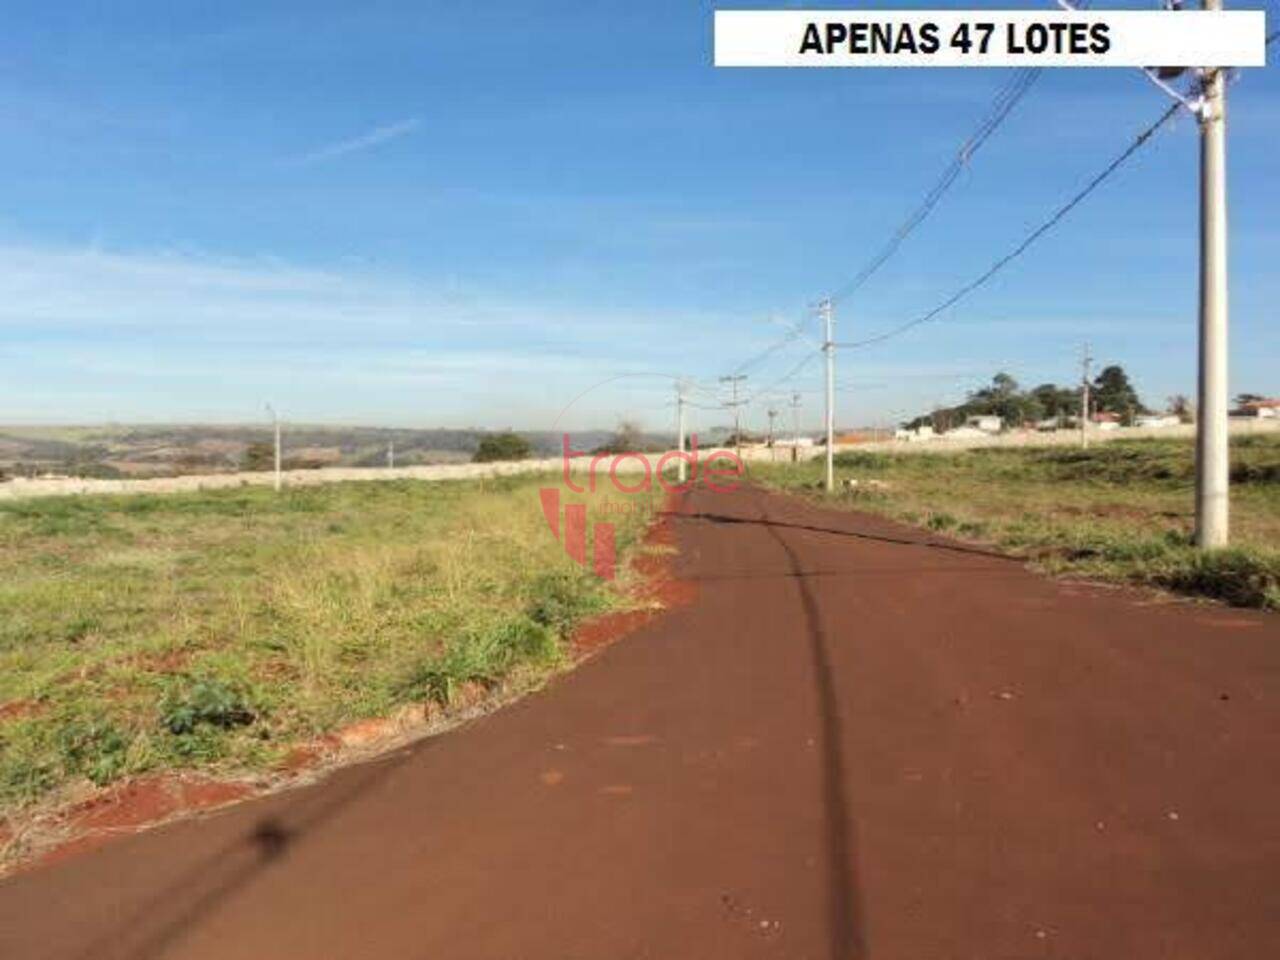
<point>573,535</point>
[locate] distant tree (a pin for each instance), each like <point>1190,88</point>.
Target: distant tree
<point>1113,393</point>
<point>940,418</point>
<point>1003,385</point>
<point>502,446</point>
<point>258,456</point>
<point>628,438</point>
<point>1003,398</point>
<point>1057,401</point>
<point>1181,407</point>
<point>1022,409</point>
<point>1243,398</point>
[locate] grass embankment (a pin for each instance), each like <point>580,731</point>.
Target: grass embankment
<point>215,630</point>
<point>1121,510</point>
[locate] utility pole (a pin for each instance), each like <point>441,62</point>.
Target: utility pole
<point>733,382</point>
<point>795,428</point>
<point>681,467</point>
<point>829,348</point>
<point>773,415</point>
<point>1211,421</point>
<point>391,454</point>
<point>275,417</point>
<point>1085,360</point>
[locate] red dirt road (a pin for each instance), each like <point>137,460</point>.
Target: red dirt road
<point>852,744</point>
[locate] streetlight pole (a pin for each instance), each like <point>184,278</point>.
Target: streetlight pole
<point>1085,360</point>
<point>829,348</point>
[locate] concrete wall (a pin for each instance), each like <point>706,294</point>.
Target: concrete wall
<point>22,488</point>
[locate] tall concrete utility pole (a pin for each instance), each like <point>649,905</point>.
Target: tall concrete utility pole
<point>1085,360</point>
<point>1211,432</point>
<point>681,466</point>
<point>829,348</point>
<point>391,454</point>
<point>773,415</point>
<point>733,382</point>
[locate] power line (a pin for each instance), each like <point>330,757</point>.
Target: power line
<point>1031,238</point>
<point>790,374</point>
<point>1006,99</point>
<point>793,334</point>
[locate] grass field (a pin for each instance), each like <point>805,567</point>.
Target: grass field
<point>215,630</point>
<point>1123,510</point>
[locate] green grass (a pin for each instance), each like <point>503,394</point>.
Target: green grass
<point>1121,510</point>
<point>215,630</point>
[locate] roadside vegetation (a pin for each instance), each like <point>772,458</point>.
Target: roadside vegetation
<point>216,630</point>
<point>502,446</point>
<point>1122,510</point>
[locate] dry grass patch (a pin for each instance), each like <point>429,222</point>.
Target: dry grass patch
<point>216,630</point>
<point>1121,510</point>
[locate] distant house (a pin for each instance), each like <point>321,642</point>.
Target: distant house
<point>1156,420</point>
<point>986,422</point>
<point>1047,424</point>
<point>922,432</point>
<point>1267,408</point>
<point>1105,420</point>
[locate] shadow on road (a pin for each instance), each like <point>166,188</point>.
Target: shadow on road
<point>157,924</point>
<point>854,534</point>
<point>845,913</point>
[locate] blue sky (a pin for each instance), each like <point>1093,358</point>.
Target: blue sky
<point>461,214</point>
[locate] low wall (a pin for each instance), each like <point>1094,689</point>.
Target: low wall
<point>19,488</point>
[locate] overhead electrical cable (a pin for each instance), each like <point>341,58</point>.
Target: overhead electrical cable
<point>1031,238</point>
<point>1006,99</point>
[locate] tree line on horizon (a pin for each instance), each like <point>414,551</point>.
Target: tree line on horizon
<point>1111,391</point>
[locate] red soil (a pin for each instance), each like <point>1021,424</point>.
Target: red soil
<point>132,804</point>
<point>16,709</point>
<point>659,589</point>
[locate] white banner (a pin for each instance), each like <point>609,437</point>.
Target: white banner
<point>990,38</point>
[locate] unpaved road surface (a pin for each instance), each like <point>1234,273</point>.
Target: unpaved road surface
<point>852,744</point>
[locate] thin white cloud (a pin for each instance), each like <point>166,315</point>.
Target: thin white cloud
<point>366,141</point>
<point>96,291</point>
<point>133,335</point>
